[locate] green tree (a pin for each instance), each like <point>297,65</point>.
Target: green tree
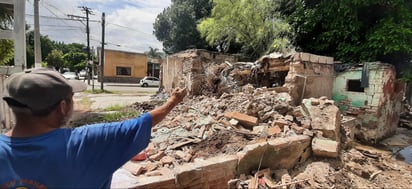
<point>176,25</point>
<point>55,59</point>
<point>75,61</point>
<point>154,53</point>
<point>6,16</point>
<point>354,30</point>
<point>254,24</point>
<point>6,46</point>
<point>47,45</point>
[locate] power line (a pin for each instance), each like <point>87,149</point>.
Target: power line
<point>61,29</point>
<point>52,25</point>
<point>50,17</point>
<point>58,17</point>
<point>129,28</point>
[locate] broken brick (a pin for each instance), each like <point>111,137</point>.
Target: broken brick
<point>298,130</point>
<point>280,123</point>
<point>243,119</point>
<point>158,156</point>
<point>325,147</point>
<point>134,168</point>
<point>180,154</point>
<point>151,166</point>
<point>289,118</point>
<point>274,130</point>
<point>167,160</point>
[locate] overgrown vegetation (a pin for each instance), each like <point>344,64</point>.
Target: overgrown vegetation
<point>348,30</point>
<point>354,30</point>
<point>253,24</point>
<point>175,26</point>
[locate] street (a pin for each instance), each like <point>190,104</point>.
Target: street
<point>119,94</point>
<point>122,87</point>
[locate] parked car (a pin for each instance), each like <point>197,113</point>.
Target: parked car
<point>83,75</point>
<point>70,75</point>
<point>149,81</point>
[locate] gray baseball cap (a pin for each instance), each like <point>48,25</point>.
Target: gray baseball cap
<point>39,89</point>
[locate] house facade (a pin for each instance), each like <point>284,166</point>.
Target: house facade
<point>124,67</point>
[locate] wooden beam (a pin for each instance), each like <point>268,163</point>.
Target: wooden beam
<point>6,34</point>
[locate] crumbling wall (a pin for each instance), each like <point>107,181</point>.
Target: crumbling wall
<point>377,106</point>
<point>310,76</point>
<point>190,68</point>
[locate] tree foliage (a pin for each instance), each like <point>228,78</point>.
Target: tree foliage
<point>154,53</point>
<point>6,46</point>
<point>6,51</point>
<point>55,59</point>
<point>254,24</point>
<point>73,54</point>
<point>354,30</point>
<point>175,26</point>
<point>6,16</point>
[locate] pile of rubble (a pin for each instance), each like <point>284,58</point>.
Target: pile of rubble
<point>202,127</point>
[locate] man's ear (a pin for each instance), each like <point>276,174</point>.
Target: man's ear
<point>63,107</point>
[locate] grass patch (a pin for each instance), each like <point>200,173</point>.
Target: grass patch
<point>84,103</point>
<point>118,116</point>
<point>104,117</point>
<point>116,107</point>
<point>99,91</point>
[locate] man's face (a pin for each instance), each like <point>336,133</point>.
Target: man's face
<point>68,110</point>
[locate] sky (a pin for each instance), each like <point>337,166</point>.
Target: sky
<point>129,23</point>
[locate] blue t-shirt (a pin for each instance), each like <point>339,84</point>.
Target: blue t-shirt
<point>84,157</point>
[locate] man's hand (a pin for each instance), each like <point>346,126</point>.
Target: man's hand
<point>160,113</point>
<point>177,95</point>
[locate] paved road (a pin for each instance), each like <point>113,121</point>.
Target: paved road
<point>123,87</point>
<point>124,94</point>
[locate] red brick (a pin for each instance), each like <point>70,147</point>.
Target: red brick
<point>274,130</point>
<point>244,119</point>
<point>281,123</point>
<point>158,156</point>
<point>134,168</point>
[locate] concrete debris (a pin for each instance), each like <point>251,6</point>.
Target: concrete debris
<point>325,117</point>
<point>325,147</point>
<point>206,126</point>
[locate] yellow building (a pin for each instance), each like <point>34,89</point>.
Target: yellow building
<point>123,67</point>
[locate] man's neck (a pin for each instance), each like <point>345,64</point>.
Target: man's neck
<point>31,127</point>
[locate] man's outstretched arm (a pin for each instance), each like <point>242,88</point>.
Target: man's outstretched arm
<point>160,113</point>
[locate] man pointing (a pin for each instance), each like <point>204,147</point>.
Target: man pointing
<point>37,153</point>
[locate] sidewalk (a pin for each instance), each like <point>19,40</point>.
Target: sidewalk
<point>97,84</point>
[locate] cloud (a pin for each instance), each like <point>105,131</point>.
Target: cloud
<point>129,23</point>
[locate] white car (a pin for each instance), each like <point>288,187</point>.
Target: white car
<point>82,74</point>
<point>70,75</point>
<point>149,81</point>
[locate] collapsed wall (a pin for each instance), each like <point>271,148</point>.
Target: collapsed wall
<point>371,93</point>
<point>207,141</point>
<point>190,68</point>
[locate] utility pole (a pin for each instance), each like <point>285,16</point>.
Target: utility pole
<point>89,58</point>
<point>102,54</point>
<point>37,44</point>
